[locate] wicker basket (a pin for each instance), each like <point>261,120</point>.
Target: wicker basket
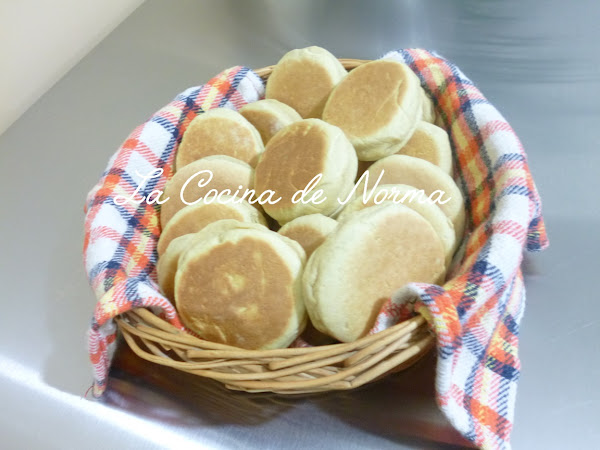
<point>286,371</point>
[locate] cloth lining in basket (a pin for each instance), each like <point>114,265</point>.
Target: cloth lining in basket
<point>476,314</point>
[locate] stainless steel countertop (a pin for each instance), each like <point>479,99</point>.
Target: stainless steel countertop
<point>538,62</point>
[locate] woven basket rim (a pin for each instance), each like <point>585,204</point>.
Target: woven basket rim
<point>292,370</point>
<point>297,370</point>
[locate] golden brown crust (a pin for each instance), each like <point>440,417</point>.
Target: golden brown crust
<point>304,78</point>
<point>192,219</point>
<point>219,131</point>
<point>309,231</point>
<point>218,294</point>
<point>297,154</point>
<point>242,288</point>
<point>227,173</point>
<point>431,143</point>
<point>369,98</point>
<point>377,105</point>
<point>269,116</point>
<point>169,261</point>
<point>292,160</point>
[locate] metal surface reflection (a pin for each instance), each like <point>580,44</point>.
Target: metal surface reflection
<point>176,398</point>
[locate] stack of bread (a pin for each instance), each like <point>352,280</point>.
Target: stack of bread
<point>284,224</point>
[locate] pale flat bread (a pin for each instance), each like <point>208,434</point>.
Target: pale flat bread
<point>226,174</point>
<point>192,219</point>
<point>309,231</point>
<point>378,106</point>
<point>367,258</point>
<point>169,261</point>
<point>219,131</point>
<point>297,154</point>
<point>437,184</point>
<point>269,116</point>
<point>431,143</point>
<point>416,200</point>
<point>304,78</point>
<point>242,287</point>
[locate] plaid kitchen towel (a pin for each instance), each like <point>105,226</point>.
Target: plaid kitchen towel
<point>475,315</point>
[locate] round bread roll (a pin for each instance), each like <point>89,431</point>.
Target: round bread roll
<point>169,261</point>
<point>416,200</point>
<point>304,78</point>
<point>192,182</point>
<point>428,108</point>
<point>293,158</point>
<point>269,116</point>
<point>243,288</point>
<point>377,105</point>
<point>309,231</point>
<point>431,143</point>
<point>219,131</point>
<point>367,258</point>
<point>192,219</point>
<point>437,184</point>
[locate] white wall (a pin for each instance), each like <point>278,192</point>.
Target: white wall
<point>40,40</point>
